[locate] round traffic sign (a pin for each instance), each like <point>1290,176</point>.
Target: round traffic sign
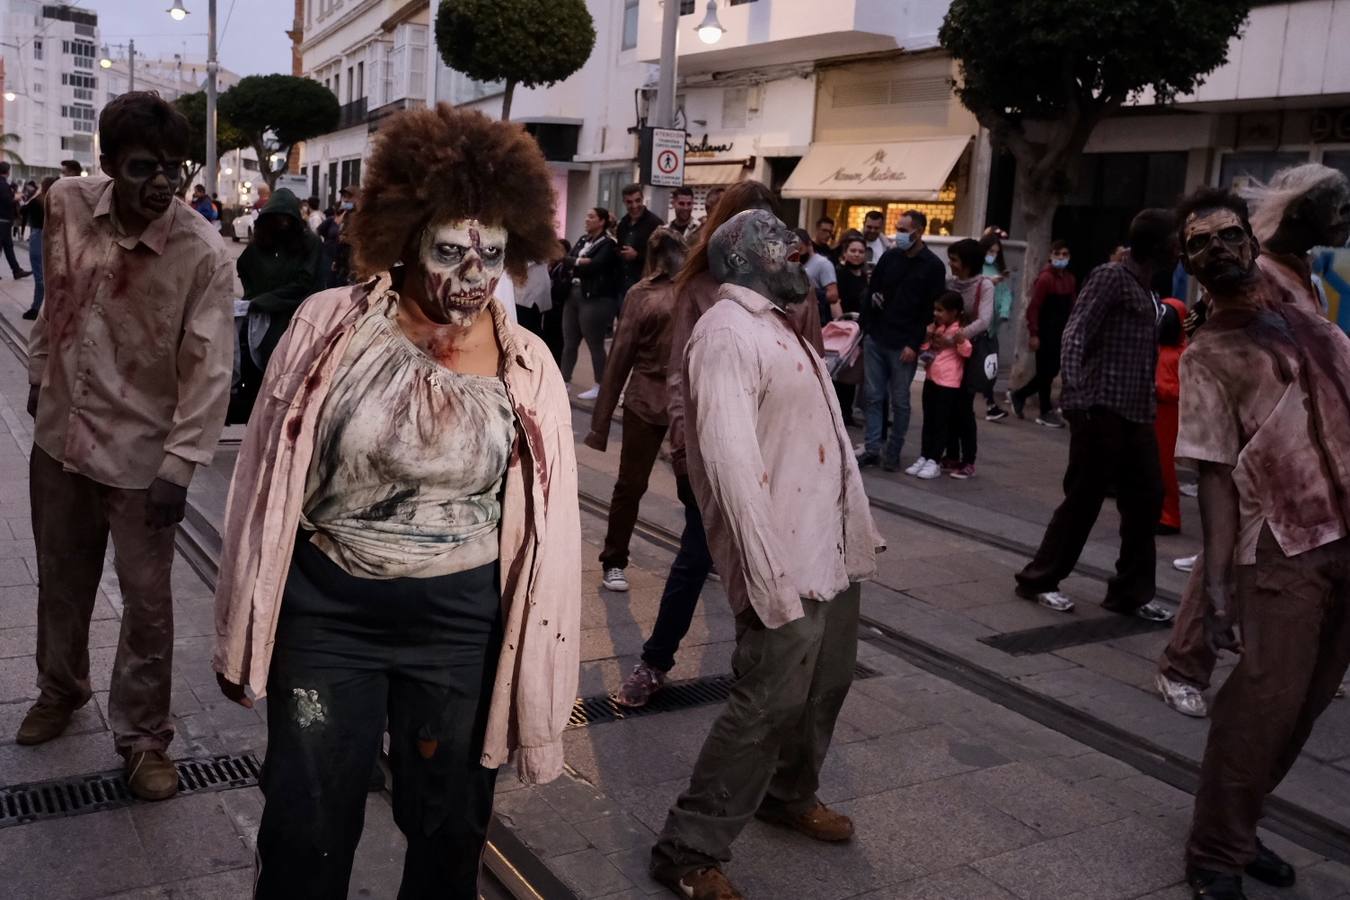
<point>667,161</point>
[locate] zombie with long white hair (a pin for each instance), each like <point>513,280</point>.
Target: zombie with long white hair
<point>1300,208</point>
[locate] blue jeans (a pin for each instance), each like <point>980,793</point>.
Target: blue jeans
<point>683,586</point>
<point>35,263</point>
<point>886,374</point>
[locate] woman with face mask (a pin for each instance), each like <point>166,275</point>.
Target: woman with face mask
<point>996,270</point>
<point>1052,298</point>
<point>965,259</point>
<point>402,541</point>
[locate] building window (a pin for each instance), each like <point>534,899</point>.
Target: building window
<point>630,24</point>
<point>37,48</point>
<point>351,173</point>
<point>1238,170</point>
<point>337,85</point>
<point>360,80</point>
<point>351,84</point>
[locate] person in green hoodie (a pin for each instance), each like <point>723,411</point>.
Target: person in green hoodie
<point>280,268</point>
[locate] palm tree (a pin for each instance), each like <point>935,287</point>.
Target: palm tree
<point>6,140</point>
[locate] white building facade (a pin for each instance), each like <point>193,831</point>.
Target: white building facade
<point>48,64</point>
<point>373,56</point>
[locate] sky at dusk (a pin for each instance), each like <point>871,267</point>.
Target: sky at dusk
<point>251,34</point>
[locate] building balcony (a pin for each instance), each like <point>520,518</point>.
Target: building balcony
<point>352,114</point>
<point>776,32</point>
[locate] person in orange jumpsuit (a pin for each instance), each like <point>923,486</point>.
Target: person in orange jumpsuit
<point>1171,341</point>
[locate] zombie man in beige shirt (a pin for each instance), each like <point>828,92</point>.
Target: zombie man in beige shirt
<point>790,529</point>
<point>1265,413</point>
<point>129,363</point>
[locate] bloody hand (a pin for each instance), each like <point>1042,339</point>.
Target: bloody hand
<point>166,504</point>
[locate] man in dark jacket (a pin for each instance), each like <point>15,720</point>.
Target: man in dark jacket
<point>9,209</point>
<point>906,282</point>
<point>279,269</point>
<point>634,230</point>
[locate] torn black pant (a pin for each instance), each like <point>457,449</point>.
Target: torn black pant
<point>349,653</point>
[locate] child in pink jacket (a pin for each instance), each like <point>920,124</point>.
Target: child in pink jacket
<point>945,353</point>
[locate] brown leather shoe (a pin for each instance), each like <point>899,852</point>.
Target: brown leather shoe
<point>44,722</point>
<point>820,822</point>
<point>706,884</point>
<point>151,775</point>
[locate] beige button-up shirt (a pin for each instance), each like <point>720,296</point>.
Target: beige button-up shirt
<point>134,345</point>
<point>771,463</point>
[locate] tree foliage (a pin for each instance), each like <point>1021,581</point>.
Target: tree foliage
<point>1042,74</point>
<point>7,152</point>
<point>275,112</point>
<point>193,108</point>
<point>527,42</point>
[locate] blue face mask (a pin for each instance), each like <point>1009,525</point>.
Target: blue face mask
<point>1060,263</point>
<point>904,240</point>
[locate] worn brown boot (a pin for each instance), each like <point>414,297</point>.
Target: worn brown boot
<point>43,722</point>
<point>706,884</point>
<point>820,822</point>
<point>151,775</point>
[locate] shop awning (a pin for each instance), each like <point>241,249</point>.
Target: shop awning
<point>902,170</point>
<point>700,173</point>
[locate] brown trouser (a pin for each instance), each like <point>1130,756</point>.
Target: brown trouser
<point>641,445</point>
<point>72,519</point>
<point>1187,656</point>
<point>1294,617</point>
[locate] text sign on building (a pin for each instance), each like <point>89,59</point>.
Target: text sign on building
<point>663,157</point>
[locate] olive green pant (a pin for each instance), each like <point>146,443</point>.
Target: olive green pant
<point>765,750</point>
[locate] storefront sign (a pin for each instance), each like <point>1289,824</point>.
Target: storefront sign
<point>903,170</point>
<point>872,170</point>
<point>703,148</point>
<point>1329,125</point>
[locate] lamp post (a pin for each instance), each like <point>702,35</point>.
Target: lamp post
<point>107,63</point>
<point>710,32</point>
<point>178,13</point>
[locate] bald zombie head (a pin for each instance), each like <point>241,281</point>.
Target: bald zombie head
<point>755,250</point>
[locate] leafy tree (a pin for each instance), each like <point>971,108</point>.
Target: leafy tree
<point>193,107</point>
<point>276,112</point>
<point>527,42</point>
<point>7,141</point>
<point>1041,74</point>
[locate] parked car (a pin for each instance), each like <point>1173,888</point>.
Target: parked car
<point>243,226</point>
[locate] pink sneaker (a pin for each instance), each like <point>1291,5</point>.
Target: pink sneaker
<point>639,686</point>
<point>963,472</point>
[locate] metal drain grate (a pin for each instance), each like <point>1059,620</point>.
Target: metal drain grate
<point>80,794</point>
<point>1049,638</point>
<point>677,695</point>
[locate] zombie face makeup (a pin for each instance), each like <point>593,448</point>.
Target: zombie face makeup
<point>756,250</point>
<point>462,261</point>
<point>1218,250</point>
<point>1328,212</point>
<point>145,182</point>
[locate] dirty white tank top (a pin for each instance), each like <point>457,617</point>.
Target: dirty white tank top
<point>408,466</point>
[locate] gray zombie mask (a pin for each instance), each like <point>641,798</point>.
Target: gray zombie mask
<point>755,250</point>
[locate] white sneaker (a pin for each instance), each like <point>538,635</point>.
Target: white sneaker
<point>1055,600</point>
<point>1190,489</point>
<point>1153,611</point>
<point>918,464</point>
<point>589,395</point>
<point>1185,563</point>
<point>614,580</point>
<point>931,469</point>
<point>1182,697</point>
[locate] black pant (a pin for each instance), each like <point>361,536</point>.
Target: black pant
<point>351,653</point>
<point>683,585</point>
<point>1054,316</point>
<point>7,245</point>
<point>941,406</point>
<point>1105,449</point>
<point>641,446</point>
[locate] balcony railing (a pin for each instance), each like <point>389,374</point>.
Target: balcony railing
<point>353,113</point>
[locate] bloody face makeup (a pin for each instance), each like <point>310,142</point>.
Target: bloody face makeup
<point>145,182</point>
<point>462,261</point>
<point>761,253</point>
<point>1218,249</point>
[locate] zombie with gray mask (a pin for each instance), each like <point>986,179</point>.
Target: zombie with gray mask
<point>1265,414</point>
<point>790,530</point>
<point>129,363</point>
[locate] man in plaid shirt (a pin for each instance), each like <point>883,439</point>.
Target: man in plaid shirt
<point>1110,351</point>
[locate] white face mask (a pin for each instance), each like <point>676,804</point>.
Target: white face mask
<point>462,262</point>
<point>1060,262</point>
<point>990,260</point>
<point>904,239</point>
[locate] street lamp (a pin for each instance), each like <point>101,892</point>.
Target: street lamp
<point>178,12</point>
<point>710,30</point>
<point>10,96</point>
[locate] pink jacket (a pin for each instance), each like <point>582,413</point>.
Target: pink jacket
<point>540,529</point>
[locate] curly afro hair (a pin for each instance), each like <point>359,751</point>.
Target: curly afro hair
<point>435,165</point>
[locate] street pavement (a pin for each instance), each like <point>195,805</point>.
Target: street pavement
<point>954,795</point>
